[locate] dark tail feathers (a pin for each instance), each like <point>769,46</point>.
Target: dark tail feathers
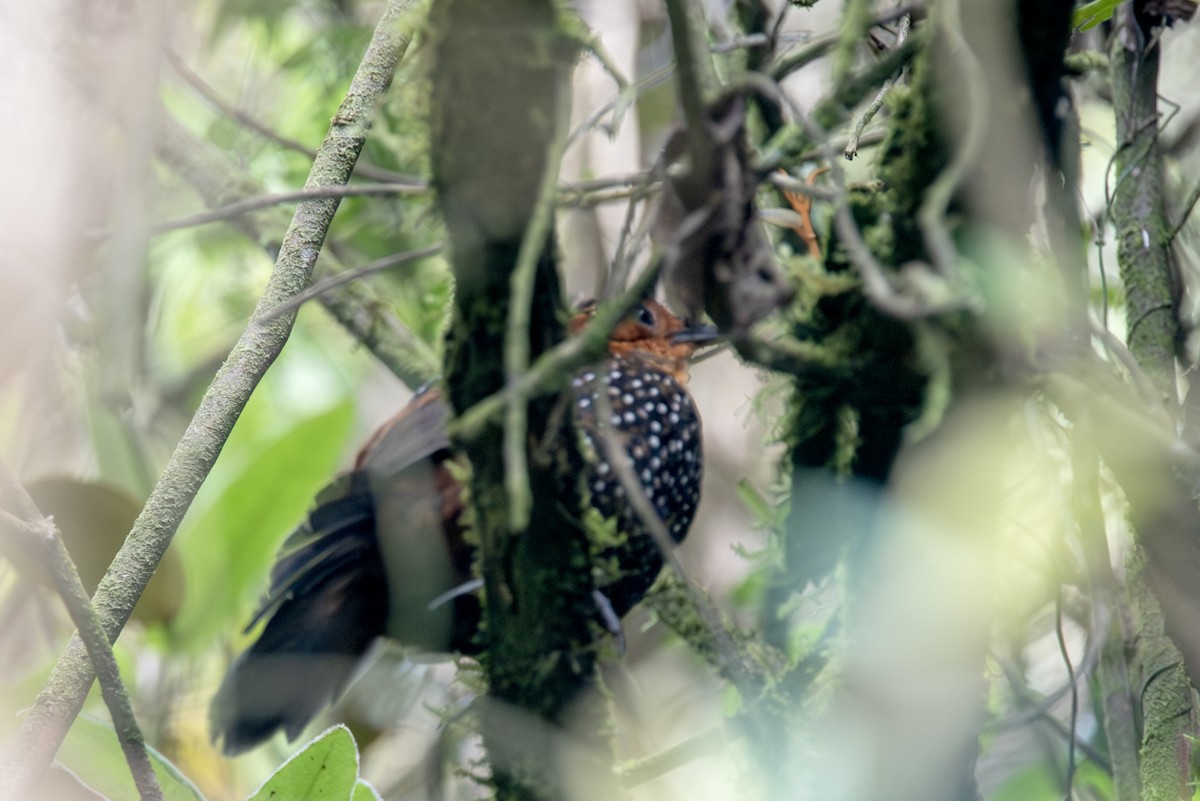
<point>328,602</point>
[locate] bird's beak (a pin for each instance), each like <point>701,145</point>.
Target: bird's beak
<point>696,334</point>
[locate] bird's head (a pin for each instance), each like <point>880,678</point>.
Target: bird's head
<point>652,333</point>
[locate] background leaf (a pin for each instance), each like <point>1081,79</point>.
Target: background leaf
<point>327,768</point>
<point>1089,15</point>
<point>286,446</point>
<point>92,753</point>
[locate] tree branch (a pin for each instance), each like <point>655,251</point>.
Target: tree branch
<point>44,537</point>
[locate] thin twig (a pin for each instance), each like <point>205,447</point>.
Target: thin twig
<point>516,338</point>
<point>593,45</point>
<point>44,727</point>
<point>242,207</point>
<point>602,196</point>
<point>1087,665</point>
<point>1024,695</point>
<point>783,180</point>
<point>851,149</point>
<point>638,772</point>
<point>598,184</point>
<point>732,663</point>
<point>1188,205</point>
<point>549,371</point>
<point>618,271</point>
<point>47,541</point>
<point>379,265</point>
<point>1066,656</point>
<point>746,42</point>
<point>643,85</point>
<point>202,87</point>
<point>819,46</point>
<point>355,306</point>
<point>630,245</point>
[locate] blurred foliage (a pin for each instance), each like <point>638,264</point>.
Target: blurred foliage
<point>286,65</point>
<point>94,758</point>
<point>89,455</point>
<point>1089,15</point>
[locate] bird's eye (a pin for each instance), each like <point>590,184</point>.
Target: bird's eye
<point>645,316</point>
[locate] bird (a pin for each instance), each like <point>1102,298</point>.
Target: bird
<point>385,551</point>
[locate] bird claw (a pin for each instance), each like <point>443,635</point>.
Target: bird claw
<point>608,615</point>
<point>466,588</point>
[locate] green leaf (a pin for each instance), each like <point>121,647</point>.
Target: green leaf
<point>364,792</point>
<point>326,768</point>
<point>92,753</point>
<point>1089,15</point>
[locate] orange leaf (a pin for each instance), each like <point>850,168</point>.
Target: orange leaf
<point>802,204</point>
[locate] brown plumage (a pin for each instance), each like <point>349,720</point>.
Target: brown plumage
<point>384,552</point>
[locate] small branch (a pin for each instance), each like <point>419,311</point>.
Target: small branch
<point>820,46</point>
<point>628,247</point>
<point>747,42</point>
<point>47,541</point>
<point>1066,657</point>
<point>516,341</point>
<point>593,45</point>
<point>549,372</point>
<point>379,265</point>
<point>874,136</point>
<point>1025,695</point>
<point>784,181</point>
<point>749,679</point>
<point>817,48</point>
<point>794,357</point>
<point>206,91</point>
<point>1188,205</point>
<point>62,697</point>
<point>851,149</point>
<point>644,84</point>
<point>581,188</point>
<point>641,771</point>
<point>834,108</point>
<point>243,207</point>
<point>635,192</point>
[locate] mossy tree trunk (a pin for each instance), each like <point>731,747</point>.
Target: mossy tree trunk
<point>500,86</point>
<point>1169,566</point>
